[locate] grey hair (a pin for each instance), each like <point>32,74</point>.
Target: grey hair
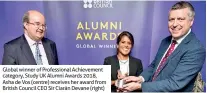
<point>25,18</point>
<point>182,5</point>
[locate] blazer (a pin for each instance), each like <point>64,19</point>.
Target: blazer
<point>180,69</point>
<point>135,67</point>
<point>18,52</point>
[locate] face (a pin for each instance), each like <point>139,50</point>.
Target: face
<point>124,46</point>
<point>35,28</point>
<point>179,22</point>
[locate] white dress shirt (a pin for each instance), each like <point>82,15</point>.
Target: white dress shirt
<point>33,47</point>
<point>124,66</point>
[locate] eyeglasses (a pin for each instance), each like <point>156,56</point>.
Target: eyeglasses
<point>38,25</point>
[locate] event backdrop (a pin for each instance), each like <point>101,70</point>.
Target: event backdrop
<point>85,32</point>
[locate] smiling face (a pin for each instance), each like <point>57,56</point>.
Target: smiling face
<point>179,22</point>
<point>35,28</point>
<point>124,46</point>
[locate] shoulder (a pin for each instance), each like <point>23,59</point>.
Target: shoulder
<point>136,60</point>
<point>111,57</point>
<point>15,42</point>
<point>167,39</point>
<point>196,42</point>
<point>193,43</point>
<point>48,41</point>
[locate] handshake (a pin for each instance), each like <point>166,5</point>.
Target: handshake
<point>126,83</point>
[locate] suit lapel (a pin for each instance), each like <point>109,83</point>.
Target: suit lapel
<point>175,52</point>
<point>48,50</point>
<point>115,66</point>
<point>132,67</point>
<point>163,50</point>
<point>178,49</point>
<point>117,63</point>
<point>164,46</point>
<point>27,51</point>
<point>181,45</point>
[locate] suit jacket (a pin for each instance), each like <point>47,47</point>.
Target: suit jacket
<point>18,52</point>
<point>180,69</point>
<point>135,67</point>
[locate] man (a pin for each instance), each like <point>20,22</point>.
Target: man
<point>31,48</point>
<point>179,59</point>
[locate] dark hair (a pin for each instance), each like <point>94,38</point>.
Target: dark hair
<point>182,5</point>
<point>125,33</point>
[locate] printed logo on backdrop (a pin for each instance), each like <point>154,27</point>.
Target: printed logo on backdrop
<point>99,34</point>
<point>97,4</point>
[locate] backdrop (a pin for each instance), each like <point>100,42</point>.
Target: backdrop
<point>85,32</point>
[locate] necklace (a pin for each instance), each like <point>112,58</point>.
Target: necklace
<point>124,67</point>
<point>123,61</point>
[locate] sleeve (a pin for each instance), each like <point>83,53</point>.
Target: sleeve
<point>9,55</point>
<point>56,54</point>
<point>147,73</point>
<point>140,69</point>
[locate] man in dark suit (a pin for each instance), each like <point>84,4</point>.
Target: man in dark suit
<point>31,48</point>
<point>179,59</point>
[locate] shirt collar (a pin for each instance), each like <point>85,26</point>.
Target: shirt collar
<point>183,37</point>
<point>30,41</point>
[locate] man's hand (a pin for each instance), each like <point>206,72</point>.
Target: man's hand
<point>132,86</point>
<point>133,79</point>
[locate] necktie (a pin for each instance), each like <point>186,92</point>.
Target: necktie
<point>169,51</point>
<point>38,55</point>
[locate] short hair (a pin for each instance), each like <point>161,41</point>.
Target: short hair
<point>125,33</point>
<point>182,5</point>
<point>25,18</point>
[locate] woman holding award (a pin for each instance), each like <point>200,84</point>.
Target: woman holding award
<point>122,64</point>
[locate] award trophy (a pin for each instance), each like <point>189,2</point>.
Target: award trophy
<point>121,82</point>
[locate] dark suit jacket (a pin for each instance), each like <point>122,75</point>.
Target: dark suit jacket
<point>135,67</point>
<point>180,69</point>
<point>18,52</point>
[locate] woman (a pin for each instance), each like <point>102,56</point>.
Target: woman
<point>123,62</point>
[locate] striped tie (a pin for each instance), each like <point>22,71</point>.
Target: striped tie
<point>38,55</point>
<point>170,50</point>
